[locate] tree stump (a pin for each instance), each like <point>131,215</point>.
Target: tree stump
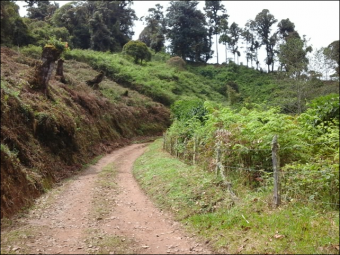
<point>60,71</point>
<point>44,68</point>
<point>95,82</point>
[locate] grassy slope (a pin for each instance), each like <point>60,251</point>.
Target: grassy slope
<point>156,79</point>
<point>247,225</point>
<point>166,84</point>
<point>44,139</point>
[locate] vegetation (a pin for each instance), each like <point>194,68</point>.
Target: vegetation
<point>212,9</point>
<point>223,116</point>
<point>241,142</point>
<point>249,224</point>
<point>138,50</point>
<point>153,34</point>
<point>189,38</point>
<point>46,139</point>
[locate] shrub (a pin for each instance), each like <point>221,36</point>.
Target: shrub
<point>138,50</point>
<point>32,51</point>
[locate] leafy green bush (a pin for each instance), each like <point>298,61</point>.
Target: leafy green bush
<point>323,109</point>
<point>243,139</point>
<point>32,51</point>
<point>188,109</point>
<point>138,50</point>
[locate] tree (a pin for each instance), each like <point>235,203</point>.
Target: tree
<point>248,37</point>
<point>14,31</point>
<point>251,37</point>
<point>293,56</point>
<point>41,31</point>
<point>100,35</point>
<point>332,54</point>
<point>153,34</point>
<point>189,38</point>
<point>41,10</point>
<point>319,64</point>
<point>118,17</point>
<point>138,50</point>
<point>212,8</point>
<point>262,25</point>
<point>271,51</point>
<point>74,16</point>
<point>99,25</point>
<point>286,29</point>
<point>234,32</point>
<point>224,38</point>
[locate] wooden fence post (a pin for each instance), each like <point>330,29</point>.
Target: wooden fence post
<point>194,156</point>
<point>171,145</point>
<point>218,151</point>
<point>164,141</point>
<point>276,171</point>
<point>176,148</point>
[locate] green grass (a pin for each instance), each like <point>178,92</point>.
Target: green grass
<point>247,225</point>
<point>156,79</point>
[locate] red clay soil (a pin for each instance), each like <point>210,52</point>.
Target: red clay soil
<point>63,226</point>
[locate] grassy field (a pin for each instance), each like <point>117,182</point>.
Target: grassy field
<point>246,224</point>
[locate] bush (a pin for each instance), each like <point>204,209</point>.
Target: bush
<point>188,109</point>
<point>32,51</point>
<point>138,50</point>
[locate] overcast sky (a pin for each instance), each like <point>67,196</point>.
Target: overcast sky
<point>318,20</point>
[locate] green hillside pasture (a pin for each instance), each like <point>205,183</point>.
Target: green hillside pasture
<point>156,79</point>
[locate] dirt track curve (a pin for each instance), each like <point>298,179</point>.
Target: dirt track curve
<point>64,225</point>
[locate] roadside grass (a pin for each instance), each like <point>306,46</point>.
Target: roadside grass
<point>249,224</point>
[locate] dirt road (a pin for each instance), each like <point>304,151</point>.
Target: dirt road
<point>63,221</point>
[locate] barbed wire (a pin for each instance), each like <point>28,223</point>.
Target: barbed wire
<point>295,147</point>
<point>312,201</point>
<point>270,172</point>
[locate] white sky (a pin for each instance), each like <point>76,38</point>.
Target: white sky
<point>318,20</point>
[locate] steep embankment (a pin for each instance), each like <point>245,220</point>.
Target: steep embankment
<point>44,140</point>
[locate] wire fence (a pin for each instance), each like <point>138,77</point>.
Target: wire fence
<point>273,174</point>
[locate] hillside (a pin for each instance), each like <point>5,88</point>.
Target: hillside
<point>44,140</point>
<point>165,80</point>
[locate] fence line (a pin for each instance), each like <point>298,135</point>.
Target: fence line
<point>220,167</point>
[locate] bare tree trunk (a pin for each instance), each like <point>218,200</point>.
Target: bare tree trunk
<point>216,49</point>
<point>44,68</point>
<point>60,70</point>
<point>95,82</point>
